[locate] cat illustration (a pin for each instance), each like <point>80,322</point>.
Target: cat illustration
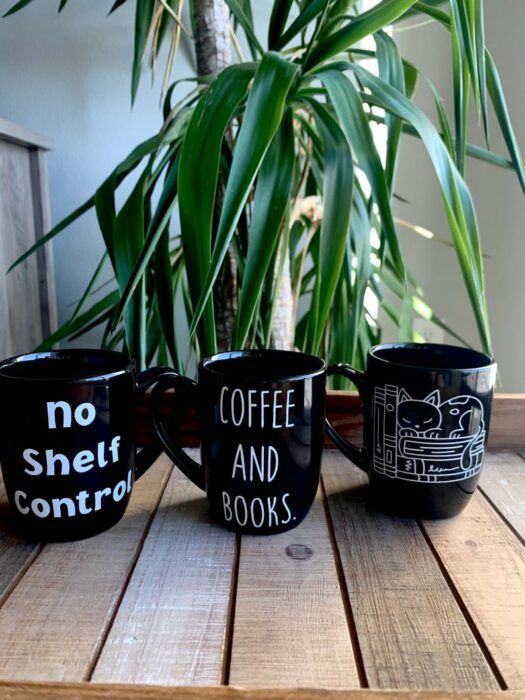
<point>419,417</point>
<point>462,416</point>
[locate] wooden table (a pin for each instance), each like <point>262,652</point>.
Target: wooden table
<point>350,599</point>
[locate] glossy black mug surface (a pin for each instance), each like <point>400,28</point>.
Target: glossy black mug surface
<point>426,421</point>
<point>67,440</point>
<point>261,419</point>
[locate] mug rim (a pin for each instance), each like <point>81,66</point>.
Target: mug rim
<point>128,365</point>
<point>207,363</point>
<point>486,362</point>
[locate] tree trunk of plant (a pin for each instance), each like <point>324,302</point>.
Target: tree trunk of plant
<point>213,49</point>
<point>283,318</point>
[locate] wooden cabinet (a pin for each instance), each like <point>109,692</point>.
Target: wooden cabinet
<point>27,294</point>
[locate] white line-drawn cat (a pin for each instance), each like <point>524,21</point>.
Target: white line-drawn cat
<point>427,439</point>
<point>419,417</point>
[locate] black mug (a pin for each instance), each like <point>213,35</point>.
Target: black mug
<point>261,419</point>
<point>426,420</point>
<point>67,439</point>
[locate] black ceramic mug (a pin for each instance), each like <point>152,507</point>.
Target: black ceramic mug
<point>261,419</point>
<point>67,439</point>
<point>426,421</point>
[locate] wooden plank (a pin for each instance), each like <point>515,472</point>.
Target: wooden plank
<point>486,564</point>
<point>290,623</point>
<point>9,131</point>
<point>411,631</point>
<point>345,411</point>
<point>96,691</point>
<point>507,421</point>
<point>53,623</point>
<point>42,223</point>
<point>16,554</point>
<point>17,233</point>
<point>171,625</point>
<point>503,482</point>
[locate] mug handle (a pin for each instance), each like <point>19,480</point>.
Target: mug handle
<point>188,390</point>
<point>150,453</point>
<point>358,455</point>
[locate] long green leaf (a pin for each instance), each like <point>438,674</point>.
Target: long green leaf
<point>97,311</point>
<point>497,98</point>
<point>354,122</point>
<point>308,13</point>
<point>116,177</point>
<point>143,16</point>
<point>496,94</point>
<point>391,70</point>
<point>458,203</point>
<point>363,25</point>
<point>246,23</point>
<point>263,115</point>
<point>156,228</point>
<point>278,18</point>
<point>17,6</point>
<point>198,174</point>
<point>271,198</point>
<point>128,239</point>
<point>337,204</point>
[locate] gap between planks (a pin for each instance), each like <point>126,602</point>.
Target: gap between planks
<point>54,620</point>
<point>89,672</point>
<point>350,619</point>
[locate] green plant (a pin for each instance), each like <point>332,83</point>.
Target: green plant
<point>272,162</point>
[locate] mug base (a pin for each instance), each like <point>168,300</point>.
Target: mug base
<point>421,502</point>
<point>58,533</point>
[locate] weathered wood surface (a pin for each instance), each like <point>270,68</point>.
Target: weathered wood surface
<point>350,598</point>
<point>56,619</point>
<point>16,554</point>
<point>486,564</point>
<point>14,133</point>
<point>290,622</point>
<point>411,631</point>
<point>96,691</point>
<point>503,483</point>
<point>171,625</point>
<point>24,218</point>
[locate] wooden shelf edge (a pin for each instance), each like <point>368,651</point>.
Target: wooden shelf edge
<point>95,691</point>
<point>507,428</point>
<point>9,131</point>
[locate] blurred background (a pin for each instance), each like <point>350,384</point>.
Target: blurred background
<point>68,77</point>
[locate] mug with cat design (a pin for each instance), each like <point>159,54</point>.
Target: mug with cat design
<point>426,421</point>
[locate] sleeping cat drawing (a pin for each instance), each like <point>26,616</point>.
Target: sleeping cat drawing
<point>419,417</point>
<point>428,417</point>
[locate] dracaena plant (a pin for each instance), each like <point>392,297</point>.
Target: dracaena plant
<point>270,168</point>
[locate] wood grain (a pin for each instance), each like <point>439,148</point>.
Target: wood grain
<point>14,133</point>
<point>96,691</point>
<point>15,553</point>
<point>54,621</point>
<point>411,631</point>
<point>17,233</point>
<point>503,482</point>
<point>171,625</point>
<point>507,422</point>
<point>290,623</point>
<point>44,255</point>
<point>486,563</point>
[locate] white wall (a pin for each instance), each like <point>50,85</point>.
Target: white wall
<point>68,76</point>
